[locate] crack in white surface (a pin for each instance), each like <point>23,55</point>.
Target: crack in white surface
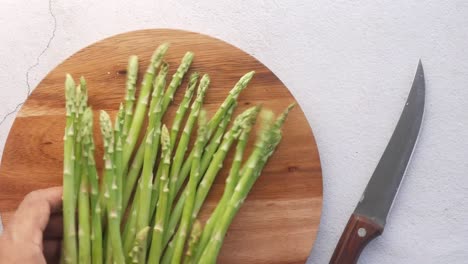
<point>28,71</point>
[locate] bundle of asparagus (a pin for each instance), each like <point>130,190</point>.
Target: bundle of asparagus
<point>140,211</point>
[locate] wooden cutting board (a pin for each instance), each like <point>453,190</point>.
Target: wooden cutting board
<point>279,220</point>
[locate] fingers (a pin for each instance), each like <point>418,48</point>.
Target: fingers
<point>54,229</point>
<point>32,215</point>
<point>52,250</point>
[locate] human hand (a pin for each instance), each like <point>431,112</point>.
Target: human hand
<point>35,232</point>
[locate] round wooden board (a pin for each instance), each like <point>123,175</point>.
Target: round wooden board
<point>279,220</point>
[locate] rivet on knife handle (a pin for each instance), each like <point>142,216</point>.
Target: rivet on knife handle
<point>358,232</point>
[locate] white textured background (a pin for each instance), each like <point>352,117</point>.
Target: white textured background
<point>349,64</point>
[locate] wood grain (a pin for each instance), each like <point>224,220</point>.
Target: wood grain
<point>279,220</point>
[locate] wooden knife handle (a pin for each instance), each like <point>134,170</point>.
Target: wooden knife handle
<point>358,233</point>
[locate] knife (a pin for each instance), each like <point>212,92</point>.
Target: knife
<point>369,218</point>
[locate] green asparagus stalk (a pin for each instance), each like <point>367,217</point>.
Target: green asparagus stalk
<point>177,79</point>
<point>209,152</point>
<point>193,242</point>
<point>132,74</point>
<point>185,223</point>
<point>111,189</point>
<point>231,182</point>
<point>185,138</point>
<point>96,225</point>
<point>230,100</point>
<point>155,116</point>
<point>210,148</point>
<point>81,104</point>
<point>246,119</point>
<point>269,139</point>
<point>130,227</point>
<point>69,200</point>
<point>158,230</point>
<point>140,242</point>
<point>84,252</point>
<point>151,149</point>
<point>142,103</point>
<point>167,257</point>
<point>180,113</point>
<point>184,105</point>
<point>118,126</point>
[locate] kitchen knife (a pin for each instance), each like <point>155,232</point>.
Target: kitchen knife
<point>369,218</point>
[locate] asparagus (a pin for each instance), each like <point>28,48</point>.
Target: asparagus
<point>118,126</point>
<point>151,149</point>
<point>269,139</point>
<point>158,230</point>
<point>230,100</point>
<point>209,152</point>
<point>142,103</point>
<point>140,242</point>
<point>130,226</point>
<point>180,113</point>
<point>184,105</point>
<point>185,224</point>
<point>84,252</point>
<point>155,114</point>
<point>111,189</point>
<point>166,259</point>
<point>132,72</point>
<point>96,226</point>
<point>231,182</point>
<point>81,101</point>
<point>69,202</point>
<point>193,242</point>
<point>185,138</point>
<point>168,97</point>
<point>246,119</point>
<point>210,148</point>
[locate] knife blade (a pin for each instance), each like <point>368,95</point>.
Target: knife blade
<point>369,218</point>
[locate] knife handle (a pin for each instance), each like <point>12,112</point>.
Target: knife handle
<point>358,233</point>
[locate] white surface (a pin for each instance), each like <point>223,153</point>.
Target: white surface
<point>349,64</point>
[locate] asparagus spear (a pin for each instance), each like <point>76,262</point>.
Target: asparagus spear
<point>210,148</point>
<point>81,102</point>
<point>140,242</point>
<point>231,182</point>
<point>84,252</point>
<point>185,223</point>
<point>112,189</point>
<point>69,200</point>
<point>142,103</point>
<point>230,100</point>
<point>209,152</point>
<point>244,119</point>
<point>132,73</point>
<point>155,115</point>
<point>151,149</point>
<point>184,139</point>
<point>180,113</point>
<point>158,230</point>
<point>96,226</point>
<point>130,226</point>
<point>269,139</point>
<point>118,126</point>
<point>168,96</point>
<point>184,105</point>
<point>193,242</point>
<point>167,257</point>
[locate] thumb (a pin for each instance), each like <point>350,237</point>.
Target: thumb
<point>32,215</point>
